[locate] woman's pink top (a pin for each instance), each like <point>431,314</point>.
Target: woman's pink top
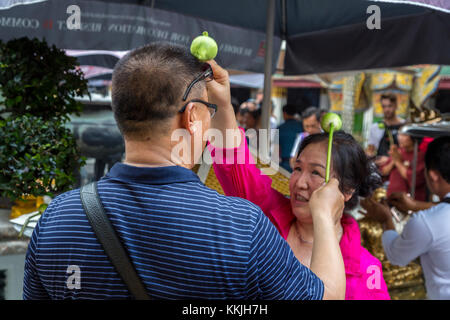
<point>238,175</point>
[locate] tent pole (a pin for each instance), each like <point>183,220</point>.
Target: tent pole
<point>414,168</point>
<point>267,102</point>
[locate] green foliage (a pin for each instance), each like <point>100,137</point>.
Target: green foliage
<point>34,153</point>
<point>39,80</point>
<point>38,86</point>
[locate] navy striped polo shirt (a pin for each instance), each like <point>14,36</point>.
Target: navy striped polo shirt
<point>185,240</point>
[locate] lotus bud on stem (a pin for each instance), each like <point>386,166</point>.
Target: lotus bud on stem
<point>329,123</point>
<point>204,47</point>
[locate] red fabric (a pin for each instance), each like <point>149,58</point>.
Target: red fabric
<point>424,145</point>
<point>239,177</point>
<point>399,184</point>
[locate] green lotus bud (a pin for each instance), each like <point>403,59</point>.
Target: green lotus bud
<point>204,47</point>
<point>331,118</point>
<point>330,122</point>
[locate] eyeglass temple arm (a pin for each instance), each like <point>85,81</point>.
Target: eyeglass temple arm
<point>205,75</point>
<point>188,90</point>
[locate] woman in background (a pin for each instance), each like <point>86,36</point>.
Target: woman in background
<point>398,166</point>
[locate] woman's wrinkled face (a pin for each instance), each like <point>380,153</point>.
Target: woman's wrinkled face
<point>307,176</point>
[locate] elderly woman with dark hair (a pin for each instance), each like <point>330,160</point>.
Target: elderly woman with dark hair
<point>292,217</point>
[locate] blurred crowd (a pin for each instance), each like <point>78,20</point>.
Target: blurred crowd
<point>391,150</point>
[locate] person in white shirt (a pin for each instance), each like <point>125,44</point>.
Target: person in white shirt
<point>427,233</point>
<point>379,137</point>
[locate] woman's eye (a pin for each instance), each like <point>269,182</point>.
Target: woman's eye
<point>298,169</point>
<point>316,173</point>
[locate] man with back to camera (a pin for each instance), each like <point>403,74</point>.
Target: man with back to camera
<point>185,240</point>
<point>426,234</point>
<point>288,132</point>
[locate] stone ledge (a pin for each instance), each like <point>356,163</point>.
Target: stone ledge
<point>10,243</point>
<point>7,231</point>
<point>13,247</point>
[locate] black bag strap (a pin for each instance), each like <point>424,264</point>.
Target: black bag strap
<point>110,242</point>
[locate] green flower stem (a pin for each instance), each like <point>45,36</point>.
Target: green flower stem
<point>330,144</point>
<point>27,221</point>
<point>390,136</point>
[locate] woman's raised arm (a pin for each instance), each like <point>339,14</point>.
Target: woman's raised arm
<point>240,177</point>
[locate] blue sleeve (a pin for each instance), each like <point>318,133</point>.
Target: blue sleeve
<point>274,271</point>
<point>33,288</point>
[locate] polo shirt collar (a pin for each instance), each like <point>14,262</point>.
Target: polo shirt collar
<point>151,175</point>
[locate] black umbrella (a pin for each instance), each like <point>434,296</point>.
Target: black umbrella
<point>321,35</point>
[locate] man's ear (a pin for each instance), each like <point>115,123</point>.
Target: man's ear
<point>188,118</point>
<point>434,175</point>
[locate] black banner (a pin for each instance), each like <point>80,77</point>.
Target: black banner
<point>122,27</point>
<point>402,41</point>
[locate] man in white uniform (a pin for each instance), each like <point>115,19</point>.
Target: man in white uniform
<point>427,233</point>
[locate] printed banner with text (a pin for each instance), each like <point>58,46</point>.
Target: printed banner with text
<point>122,27</point>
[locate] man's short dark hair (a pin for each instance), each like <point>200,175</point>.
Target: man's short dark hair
<point>147,88</point>
<point>290,109</point>
<point>437,157</point>
<point>311,111</point>
<point>389,96</point>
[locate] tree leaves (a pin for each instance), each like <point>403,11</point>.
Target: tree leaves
<point>38,85</point>
<point>39,80</point>
<point>40,161</point>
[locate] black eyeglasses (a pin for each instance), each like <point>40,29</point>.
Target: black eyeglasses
<point>211,106</point>
<point>207,75</point>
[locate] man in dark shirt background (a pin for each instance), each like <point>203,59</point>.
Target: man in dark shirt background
<point>288,132</point>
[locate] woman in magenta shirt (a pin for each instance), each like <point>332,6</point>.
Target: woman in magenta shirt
<point>239,176</point>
